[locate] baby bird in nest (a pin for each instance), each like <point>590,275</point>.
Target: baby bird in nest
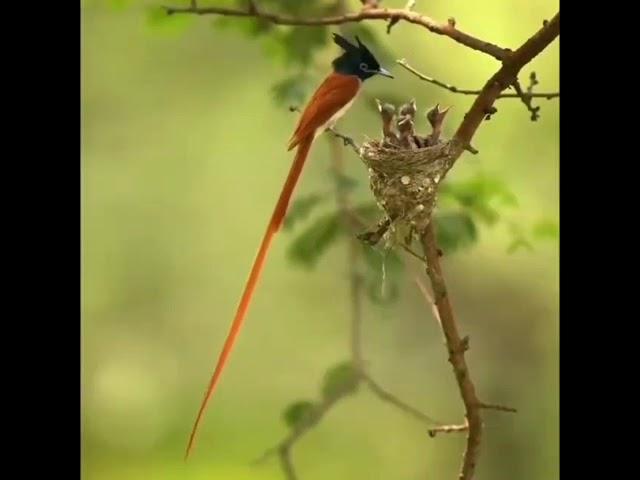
<point>389,133</point>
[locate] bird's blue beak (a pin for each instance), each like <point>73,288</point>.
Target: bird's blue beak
<point>385,73</point>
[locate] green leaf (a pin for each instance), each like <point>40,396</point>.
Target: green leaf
<point>299,413</point>
<point>345,182</point>
<point>455,231</point>
<point>546,229</point>
<point>159,21</point>
<point>518,244</point>
<point>301,208</point>
<point>307,248</point>
<point>485,213</point>
<point>292,91</point>
<point>342,379</point>
<point>479,195</point>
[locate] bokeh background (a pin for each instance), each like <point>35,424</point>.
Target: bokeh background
<point>183,155</point>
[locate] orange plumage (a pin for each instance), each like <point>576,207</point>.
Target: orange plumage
<point>331,100</point>
<point>335,93</point>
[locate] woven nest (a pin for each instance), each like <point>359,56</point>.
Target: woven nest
<point>405,181</point>
<point>406,169</point>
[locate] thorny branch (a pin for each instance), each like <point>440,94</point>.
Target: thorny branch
<point>447,29</point>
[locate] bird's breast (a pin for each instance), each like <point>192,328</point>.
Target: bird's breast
<point>336,116</point>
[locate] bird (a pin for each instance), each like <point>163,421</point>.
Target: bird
<point>409,109</point>
<point>406,116</point>
<point>388,116</point>
<point>331,100</point>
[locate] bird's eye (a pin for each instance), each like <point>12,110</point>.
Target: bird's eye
<point>364,67</point>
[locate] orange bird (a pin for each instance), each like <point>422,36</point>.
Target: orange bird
<point>331,100</point>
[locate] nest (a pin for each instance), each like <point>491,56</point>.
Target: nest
<point>405,182</point>
<point>406,169</point>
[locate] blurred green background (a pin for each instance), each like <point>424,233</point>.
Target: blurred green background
<point>183,156</point>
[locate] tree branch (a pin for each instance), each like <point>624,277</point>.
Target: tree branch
<point>501,408</point>
<point>452,88</point>
<point>456,347</point>
<point>448,429</point>
<point>385,396</point>
<point>395,14</point>
<point>287,465</point>
<point>504,77</point>
<point>482,106</point>
<point>348,141</point>
<point>283,448</point>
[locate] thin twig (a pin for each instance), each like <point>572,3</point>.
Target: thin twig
<point>408,7</point>
<point>290,440</point>
<point>526,98</point>
<point>287,465</point>
<point>452,88</point>
<point>448,429</point>
<point>501,408</point>
<point>447,29</point>
<point>385,396</point>
<point>346,140</point>
<point>411,252</point>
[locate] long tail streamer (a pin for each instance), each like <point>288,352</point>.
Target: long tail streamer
<point>274,225</point>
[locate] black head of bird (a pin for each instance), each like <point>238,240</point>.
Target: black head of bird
<point>357,60</point>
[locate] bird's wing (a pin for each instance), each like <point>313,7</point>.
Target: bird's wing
<point>334,93</point>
